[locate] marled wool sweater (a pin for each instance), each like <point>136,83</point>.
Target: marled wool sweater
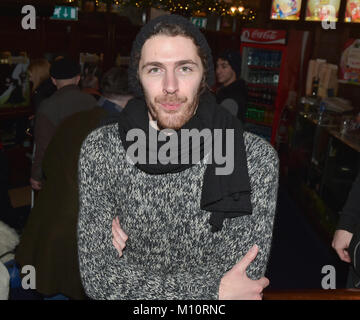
<point>171,252</point>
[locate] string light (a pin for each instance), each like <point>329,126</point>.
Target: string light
<point>190,7</point>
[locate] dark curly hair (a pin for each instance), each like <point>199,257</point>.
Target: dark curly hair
<point>114,82</point>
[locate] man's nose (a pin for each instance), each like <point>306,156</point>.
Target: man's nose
<point>170,83</point>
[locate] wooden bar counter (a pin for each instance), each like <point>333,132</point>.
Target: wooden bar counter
<point>312,294</point>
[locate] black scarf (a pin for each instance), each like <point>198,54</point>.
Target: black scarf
<point>226,196</point>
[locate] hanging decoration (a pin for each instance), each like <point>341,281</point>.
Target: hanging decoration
<point>191,7</point>
<point>187,8</point>
<point>244,14</point>
<point>182,7</point>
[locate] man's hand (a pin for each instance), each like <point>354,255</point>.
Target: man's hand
<point>36,185</point>
<point>341,243</point>
<point>235,284</point>
<point>119,236</point>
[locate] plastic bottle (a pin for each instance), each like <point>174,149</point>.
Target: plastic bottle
<point>250,57</point>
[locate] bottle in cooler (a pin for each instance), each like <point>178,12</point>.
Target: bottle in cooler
<point>276,79</point>
<point>250,57</point>
<point>278,60</point>
<point>266,59</point>
<point>255,56</point>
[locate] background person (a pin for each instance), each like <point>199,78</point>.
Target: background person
<point>114,90</point>
<point>49,239</point>
<point>348,222</point>
<point>39,76</point>
<point>232,94</point>
<point>90,85</point>
<point>67,100</point>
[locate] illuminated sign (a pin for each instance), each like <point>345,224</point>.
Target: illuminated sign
<point>322,10</point>
<point>65,13</point>
<point>352,13</point>
<point>286,9</point>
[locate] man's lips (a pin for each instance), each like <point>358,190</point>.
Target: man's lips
<point>171,106</point>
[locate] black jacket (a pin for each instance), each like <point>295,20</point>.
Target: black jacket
<point>350,215</point>
<point>238,92</point>
<point>43,91</point>
<point>52,111</point>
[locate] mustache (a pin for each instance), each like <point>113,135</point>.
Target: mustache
<point>170,100</point>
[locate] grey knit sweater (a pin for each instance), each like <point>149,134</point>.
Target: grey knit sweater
<point>171,252</point>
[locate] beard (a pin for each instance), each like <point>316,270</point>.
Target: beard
<point>172,119</point>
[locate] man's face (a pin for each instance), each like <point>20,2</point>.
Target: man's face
<point>170,72</point>
<point>224,73</point>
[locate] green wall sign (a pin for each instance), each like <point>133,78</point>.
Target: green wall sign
<point>199,22</point>
<point>65,13</point>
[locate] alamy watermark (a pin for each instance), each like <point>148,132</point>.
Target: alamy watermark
<point>29,279</point>
<point>29,20</point>
<point>168,153</point>
<point>329,280</point>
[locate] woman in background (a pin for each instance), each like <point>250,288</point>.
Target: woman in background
<point>39,76</point>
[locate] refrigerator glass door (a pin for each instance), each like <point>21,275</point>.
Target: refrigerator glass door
<point>261,71</point>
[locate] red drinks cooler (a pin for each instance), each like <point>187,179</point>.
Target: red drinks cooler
<point>273,62</point>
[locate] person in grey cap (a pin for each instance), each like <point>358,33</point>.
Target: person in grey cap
<point>154,225</point>
<point>67,100</point>
<point>232,94</point>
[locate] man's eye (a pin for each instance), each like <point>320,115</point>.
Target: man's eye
<point>154,70</point>
<point>185,69</point>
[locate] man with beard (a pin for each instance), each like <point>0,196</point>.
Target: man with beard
<point>189,232</point>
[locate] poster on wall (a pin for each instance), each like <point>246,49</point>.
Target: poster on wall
<point>14,81</point>
<point>319,10</point>
<point>286,9</point>
<point>352,13</point>
<point>350,62</point>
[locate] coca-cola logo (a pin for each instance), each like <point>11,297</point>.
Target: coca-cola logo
<point>264,35</point>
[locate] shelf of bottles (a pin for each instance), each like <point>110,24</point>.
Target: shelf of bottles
<point>262,77</point>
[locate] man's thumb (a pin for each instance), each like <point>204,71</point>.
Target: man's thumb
<point>248,258</point>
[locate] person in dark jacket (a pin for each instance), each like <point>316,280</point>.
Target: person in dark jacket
<point>232,94</point>
<point>49,240</point>
<point>348,222</point>
<point>67,100</point>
